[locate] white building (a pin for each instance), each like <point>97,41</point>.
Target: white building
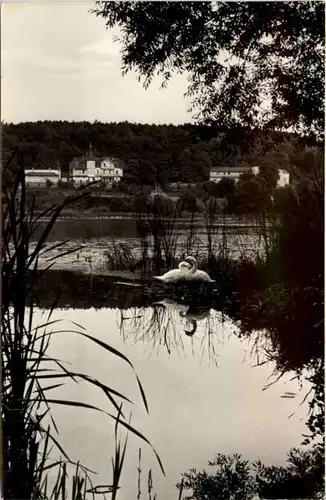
<point>111,170</point>
<point>39,177</point>
<point>283,178</point>
<point>218,173</point>
<point>90,168</point>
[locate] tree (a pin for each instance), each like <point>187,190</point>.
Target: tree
<point>188,201</point>
<point>132,171</point>
<point>302,477</point>
<point>252,194</point>
<point>232,480</point>
<point>7,179</point>
<point>238,55</point>
<point>141,203</point>
<point>225,187</point>
<point>237,479</point>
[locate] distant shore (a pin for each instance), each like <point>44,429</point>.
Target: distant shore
<point>95,214</point>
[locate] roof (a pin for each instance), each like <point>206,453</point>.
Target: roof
<point>116,161</point>
<point>231,169</point>
<point>78,161</point>
<point>90,155</point>
<point>107,158</point>
<point>81,161</point>
<point>35,173</point>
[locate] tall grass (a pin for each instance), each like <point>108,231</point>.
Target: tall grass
<point>29,373</point>
<point>162,243</point>
<point>163,230</point>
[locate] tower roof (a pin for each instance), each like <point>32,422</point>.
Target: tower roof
<point>90,155</point>
<point>90,151</point>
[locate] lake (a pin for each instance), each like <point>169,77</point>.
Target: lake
<point>95,237</point>
<point>204,393</point>
<point>205,386</point>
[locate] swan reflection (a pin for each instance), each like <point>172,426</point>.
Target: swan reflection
<point>169,323</point>
<point>192,314</point>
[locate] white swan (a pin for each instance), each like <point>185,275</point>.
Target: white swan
<point>175,274</point>
<point>195,274</point>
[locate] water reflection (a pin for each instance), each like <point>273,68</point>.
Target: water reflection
<point>196,409</point>
<point>189,324</point>
<point>192,314</point>
<point>175,324</point>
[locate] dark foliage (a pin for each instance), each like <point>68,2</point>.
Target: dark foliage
<point>151,153</point>
<point>237,479</point>
<point>238,55</point>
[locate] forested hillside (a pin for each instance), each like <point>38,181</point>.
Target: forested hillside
<point>151,153</point>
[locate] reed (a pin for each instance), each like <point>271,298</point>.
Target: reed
<point>163,230</point>
<point>163,244</point>
<point>29,373</point>
<point>120,256</point>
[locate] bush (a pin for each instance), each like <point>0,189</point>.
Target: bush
<point>121,204</point>
<point>141,204</point>
<point>188,201</point>
<point>225,187</point>
<point>234,478</point>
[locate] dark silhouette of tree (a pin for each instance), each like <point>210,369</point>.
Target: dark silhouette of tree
<point>253,196</point>
<point>224,188</point>
<point>151,153</point>
<point>237,479</point>
<point>188,201</point>
<point>238,55</point>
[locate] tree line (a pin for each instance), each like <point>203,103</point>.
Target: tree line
<point>152,154</point>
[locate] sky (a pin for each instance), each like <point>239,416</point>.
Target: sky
<point>59,62</point>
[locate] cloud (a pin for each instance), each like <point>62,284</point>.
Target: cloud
<point>59,62</point>
<point>103,47</point>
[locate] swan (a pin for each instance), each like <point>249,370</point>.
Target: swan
<point>175,274</point>
<point>195,274</point>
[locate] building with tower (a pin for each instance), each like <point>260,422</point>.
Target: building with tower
<point>89,168</point>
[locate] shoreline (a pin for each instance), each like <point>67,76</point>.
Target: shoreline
<point>228,221</point>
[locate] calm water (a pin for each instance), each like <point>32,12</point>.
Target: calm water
<point>205,395</point>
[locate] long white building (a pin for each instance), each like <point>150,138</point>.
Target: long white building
<point>39,177</point>
<point>218,173</point>
<point>90,168</point>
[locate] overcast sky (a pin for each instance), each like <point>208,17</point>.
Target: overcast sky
<point>60,63</point>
